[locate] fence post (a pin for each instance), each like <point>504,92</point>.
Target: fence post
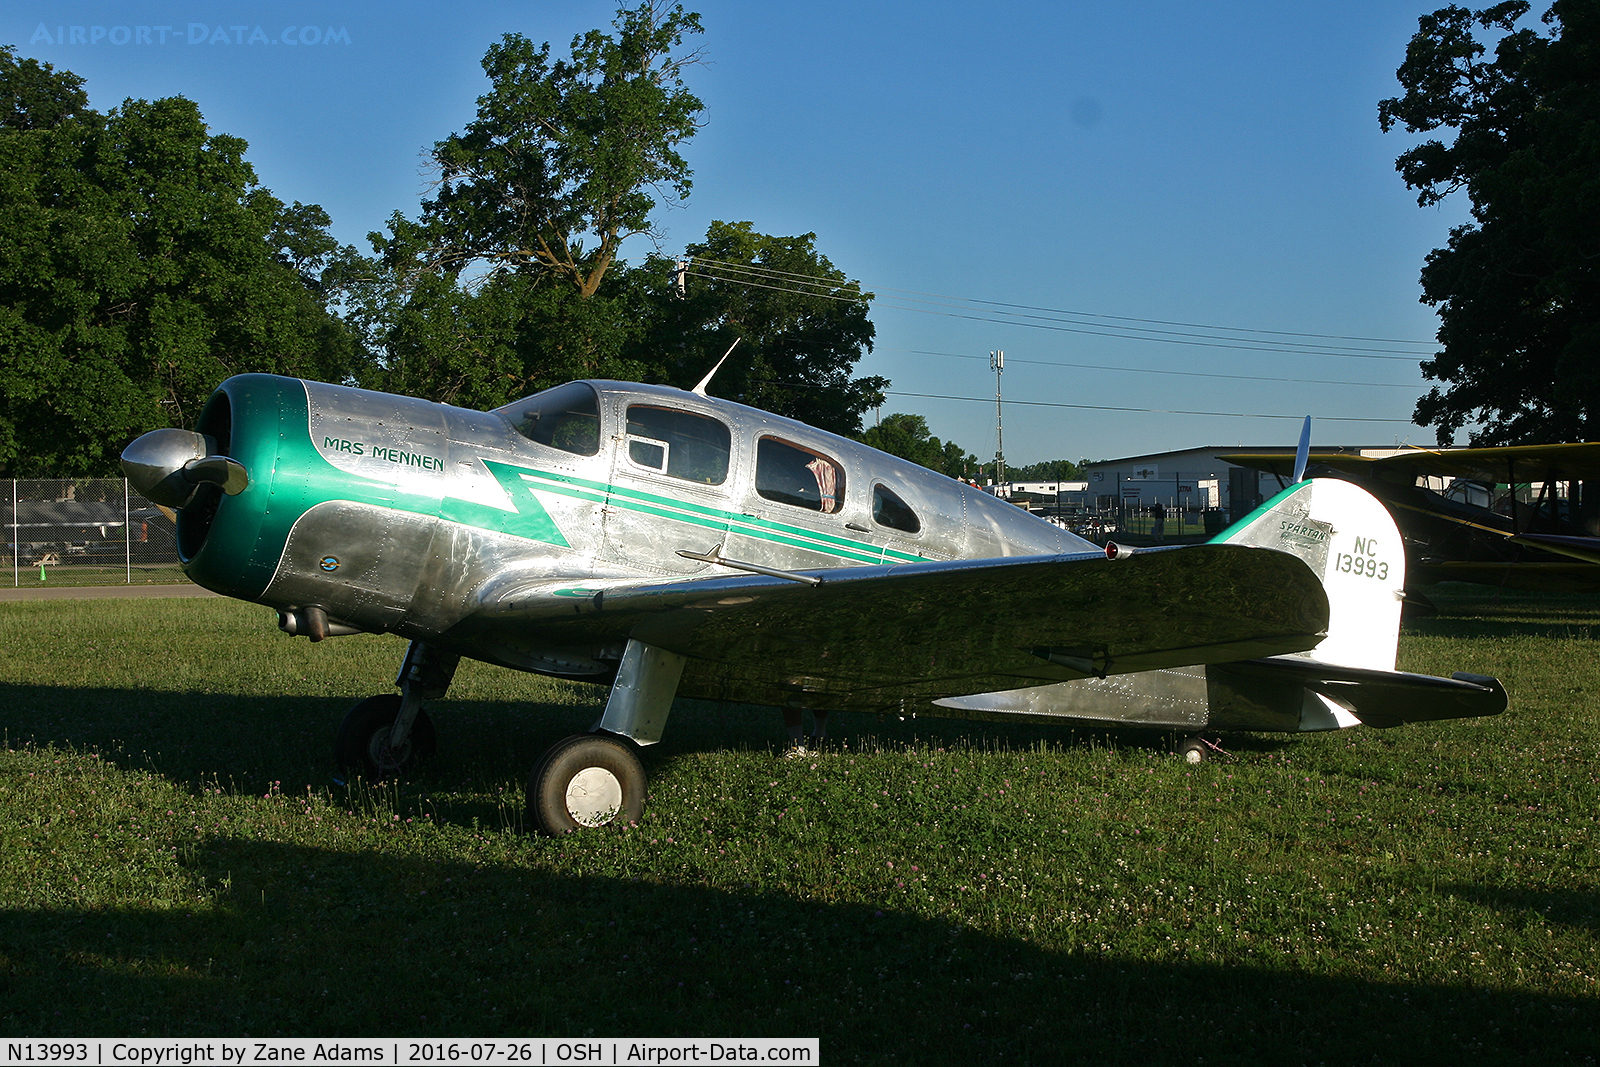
<point>16,540</point>
<point>127,536</point>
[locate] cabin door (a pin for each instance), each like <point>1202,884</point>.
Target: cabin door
<point>670,482</point>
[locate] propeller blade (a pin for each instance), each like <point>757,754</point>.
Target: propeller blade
<point>1303,453</point>
<point>223,471</point>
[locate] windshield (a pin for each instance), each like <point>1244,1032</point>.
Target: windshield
<point>566,417</point>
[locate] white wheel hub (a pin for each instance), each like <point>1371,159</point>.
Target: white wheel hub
<point>383,757</point>
<point>593,796</point>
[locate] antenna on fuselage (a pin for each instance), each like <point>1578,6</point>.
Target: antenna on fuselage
<point>700,389</point>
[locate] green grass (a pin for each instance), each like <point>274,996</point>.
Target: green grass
<point>174,859</point>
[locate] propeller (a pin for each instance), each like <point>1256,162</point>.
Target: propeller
<point>168,466</point>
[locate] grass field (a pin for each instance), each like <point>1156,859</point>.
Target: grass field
<point>175,860</point>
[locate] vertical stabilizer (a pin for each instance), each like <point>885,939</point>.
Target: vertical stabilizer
<point>1350,541</point>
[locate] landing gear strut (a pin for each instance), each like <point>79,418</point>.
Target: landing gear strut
<point>364,744</point>
<point>594,779</point>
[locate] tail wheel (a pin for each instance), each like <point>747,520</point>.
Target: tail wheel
<point>362,744</point>
<point>586,780</point>
<point>1195,750</point>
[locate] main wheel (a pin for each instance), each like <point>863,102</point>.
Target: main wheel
<point>586,780</point>
<point>362,744</point>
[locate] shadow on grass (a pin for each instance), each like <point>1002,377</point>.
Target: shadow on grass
<point>320,942</point>
<point>248,743</point>
<point>308,942</point>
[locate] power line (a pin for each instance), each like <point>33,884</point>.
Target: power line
<point>1152,370</point>
<point>1197,341</point>
<point>773,272</point>
<point>1146,411</point>
<point>1058,319</point>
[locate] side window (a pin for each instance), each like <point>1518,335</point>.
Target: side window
<point>798,476</point>
<point>566,417</point>
<point>680,444</point>
<point>889,510</point>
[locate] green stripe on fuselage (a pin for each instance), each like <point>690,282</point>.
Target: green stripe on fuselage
<point>693,514</point>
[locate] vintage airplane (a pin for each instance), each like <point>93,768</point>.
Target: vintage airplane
<point>668,543</point>
<point>1500,540</point>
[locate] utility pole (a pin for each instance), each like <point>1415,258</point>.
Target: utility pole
<point>997,363</point>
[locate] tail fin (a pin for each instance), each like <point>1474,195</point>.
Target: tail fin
<point>1350,541</point>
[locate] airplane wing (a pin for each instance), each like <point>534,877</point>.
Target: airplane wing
<point>1586,549</point>
<point>1555,577</point>
<point>1282,464</point>
<point>887,638</point>
<point>1509,463</point>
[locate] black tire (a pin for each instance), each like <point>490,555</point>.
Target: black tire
<point>362,744</point>
<point>1194,750</point>
<point>586,780</point>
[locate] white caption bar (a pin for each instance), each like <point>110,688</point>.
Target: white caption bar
<point>406,1052</point>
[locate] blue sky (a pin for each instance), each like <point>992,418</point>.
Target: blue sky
<point>1024,177</point>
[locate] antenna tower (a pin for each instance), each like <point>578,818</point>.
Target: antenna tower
<point>997,363</point>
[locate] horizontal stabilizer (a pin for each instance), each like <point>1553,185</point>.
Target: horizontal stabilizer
<point>1378,698</point>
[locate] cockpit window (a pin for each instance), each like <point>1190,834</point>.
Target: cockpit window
<point>677,443</point>
<point>889,510</point>
<point>794,475</point>
<point>566,417</point>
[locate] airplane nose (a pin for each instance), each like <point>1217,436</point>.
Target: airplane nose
<point>167,466</point>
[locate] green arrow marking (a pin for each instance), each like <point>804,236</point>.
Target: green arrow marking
<point>530,520</point>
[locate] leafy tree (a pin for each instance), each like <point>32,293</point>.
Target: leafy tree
<point>509,282</point>
<point>908,437</point>
<point>565,158</point>
<point>482,344</point>
<point>1050,470</point>
<point>142,265</point>
<point>801,326</point>
<point>34,96</point>
<point>1517,289</point>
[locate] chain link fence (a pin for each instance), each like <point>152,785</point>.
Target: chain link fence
<point>84,531</point>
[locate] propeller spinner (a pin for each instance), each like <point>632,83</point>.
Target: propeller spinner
<point>167,466</point>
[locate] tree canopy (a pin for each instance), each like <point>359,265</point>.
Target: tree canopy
<point>1049,470</point>
<point>565,159</point>
<point>142,265</point>
<point>908,437</point>
<point>800,324</point>
<point>1518,288</point>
